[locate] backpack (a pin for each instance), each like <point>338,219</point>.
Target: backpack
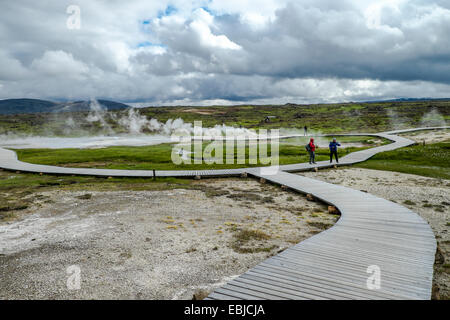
<point>308,147</point>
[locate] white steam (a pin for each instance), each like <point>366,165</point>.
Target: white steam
<point>102,128</point>
<point>99,114</point>
<point>395,121</point>
<point>433,119</point>
<point>135,123</point>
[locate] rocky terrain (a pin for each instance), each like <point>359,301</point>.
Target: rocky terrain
<point>170,244</point>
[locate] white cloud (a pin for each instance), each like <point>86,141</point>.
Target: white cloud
<point>201,51</point>
<point>374,15</point>
<point>255,20</point>
<point>207,38</point>
<point>11,68</point>
<point>59,63</point>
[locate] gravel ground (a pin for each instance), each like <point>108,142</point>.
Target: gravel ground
<point>150,244</point>
<point>428,197</point>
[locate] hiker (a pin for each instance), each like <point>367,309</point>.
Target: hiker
<point>305,130</point>
<point>333,150</point>
<point>311,148</point>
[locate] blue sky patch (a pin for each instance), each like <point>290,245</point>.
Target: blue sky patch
<point>167,12</point>
<point>150,44</point>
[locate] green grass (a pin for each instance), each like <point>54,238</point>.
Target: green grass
<point>336,118</point>
<point>431,160</point>
<point>20,190</point>
<point>10,182</point>
<point>342,117</point>
<point>159,157</point>
<point>241,239</point>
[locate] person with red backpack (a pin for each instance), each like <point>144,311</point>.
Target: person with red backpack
<point>311,148</point>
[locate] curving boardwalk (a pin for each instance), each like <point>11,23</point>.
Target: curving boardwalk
<point>372,232</point>
<point>333,264</point>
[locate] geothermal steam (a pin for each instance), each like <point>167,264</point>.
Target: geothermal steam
<point>102,128</point>
<point>135,123</point>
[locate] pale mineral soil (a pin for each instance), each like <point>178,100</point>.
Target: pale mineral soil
<point>429,197</point>
<point>428,136</point>
<point>168,244</point>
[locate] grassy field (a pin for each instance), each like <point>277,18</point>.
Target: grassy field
<point>329,118</point>
<point>158,157</point>
<point>431,160</point>
<point>20,190</point>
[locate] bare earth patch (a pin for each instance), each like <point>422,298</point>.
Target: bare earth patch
<point>150,244</point>
<point>429,197</point>
<point>428,136</point>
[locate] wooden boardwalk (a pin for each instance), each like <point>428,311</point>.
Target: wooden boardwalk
<point>9,161</point>
<point>332,264</point>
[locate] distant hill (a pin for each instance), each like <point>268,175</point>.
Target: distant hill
<point>409,100</point>
<point>14,106</point>
<point>21,106</point>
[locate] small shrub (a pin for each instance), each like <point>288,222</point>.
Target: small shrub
<point>319,225</point>
<point>267,200</point>
<point>200,294</point>
<point>244,236</point>
<point>191,249</point>
<point>85,196</point>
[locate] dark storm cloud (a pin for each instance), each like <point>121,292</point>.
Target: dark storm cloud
<point>310,42</point>
<point>199,51</point>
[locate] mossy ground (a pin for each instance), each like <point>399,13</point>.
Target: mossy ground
<point>159,157</point>
<point>336,118</point>
<point>431,160</point>
<point>18,191</point>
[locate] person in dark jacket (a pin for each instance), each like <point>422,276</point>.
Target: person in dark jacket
<point>333,150</point>
<point>312,151</point>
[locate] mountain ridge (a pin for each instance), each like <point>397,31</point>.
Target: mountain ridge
<point>25,105</point>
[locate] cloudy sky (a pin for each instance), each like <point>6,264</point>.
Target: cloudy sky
<point>225,52</point>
